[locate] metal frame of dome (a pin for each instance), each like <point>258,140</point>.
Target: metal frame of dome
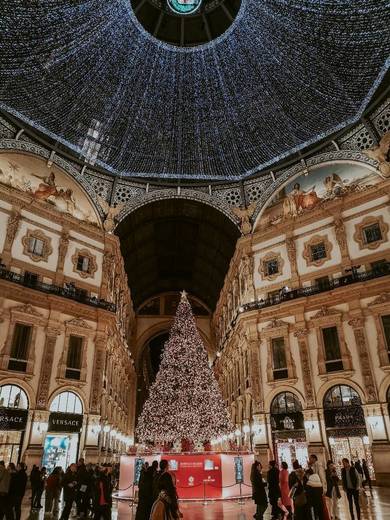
<point>244,117</point>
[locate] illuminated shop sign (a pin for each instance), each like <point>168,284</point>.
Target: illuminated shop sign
<point>13,419</point>
<point>65,422</point>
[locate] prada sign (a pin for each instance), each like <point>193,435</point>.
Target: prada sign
<point>13,419</point>
<point>65,422</point>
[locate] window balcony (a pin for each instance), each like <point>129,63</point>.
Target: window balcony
<point>71,293</point>
<point>380,270</point>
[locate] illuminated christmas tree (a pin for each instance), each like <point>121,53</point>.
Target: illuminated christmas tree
<point>184,403</point>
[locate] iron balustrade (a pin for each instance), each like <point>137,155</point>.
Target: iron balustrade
<point>71,292</point>
<point>302,292</point>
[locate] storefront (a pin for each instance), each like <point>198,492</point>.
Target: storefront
<point>62,441</point>
<point>346,426</point>
<point>288,429</point>
<point>13,421</point>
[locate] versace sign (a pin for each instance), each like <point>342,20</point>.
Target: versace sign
<point>13,419</point>
<point>65,422</point>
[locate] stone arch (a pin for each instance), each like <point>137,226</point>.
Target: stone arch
<point>339,381</point>
<point>24,386</point>
<point>286,177</point>
<point>279,390</point>
<point>75,390</point>
<point>384,389</point>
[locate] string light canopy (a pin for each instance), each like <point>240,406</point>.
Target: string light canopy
<point>284,75</point>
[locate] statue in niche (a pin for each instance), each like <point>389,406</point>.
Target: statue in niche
<point>244,215</point>
<point>111,212</point>
<point>381,155</point>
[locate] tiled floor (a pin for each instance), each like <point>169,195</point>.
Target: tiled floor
<point>378,508</point>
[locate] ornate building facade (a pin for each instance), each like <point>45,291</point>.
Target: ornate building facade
<point>302,323</point>
<point>67,378</point>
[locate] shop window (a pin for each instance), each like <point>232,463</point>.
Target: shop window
<point>333,361</point>
<point>372,233</point>
<point>279,358</point>
<point>386,330</point>
<point>67,402</point>
<point>73,363</point>
<point>19,347</point>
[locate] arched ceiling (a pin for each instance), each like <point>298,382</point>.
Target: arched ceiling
<point>177,244</point>
<point>284,75</point>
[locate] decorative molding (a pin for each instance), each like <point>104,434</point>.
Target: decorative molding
<point>78,323</point>
<point>12,228</point>
<point>39,235</point>
<point>380,300</point>
<point>263,265</point>
<point>92,266</point>
<point>27,309</point>
<point>315,240</point>
<point>325,312</point>
<point>366,222</point>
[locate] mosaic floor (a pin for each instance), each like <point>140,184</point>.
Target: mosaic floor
<point>378,508</point>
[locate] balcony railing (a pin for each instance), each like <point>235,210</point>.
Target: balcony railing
<point>286,295</point>
<point>70,292</point>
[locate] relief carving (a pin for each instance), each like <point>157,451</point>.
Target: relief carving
<point>12,229</point>
<point>46,369</point>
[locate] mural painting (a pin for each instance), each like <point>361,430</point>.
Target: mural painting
<point>48,185</point>
<point>324,184</point>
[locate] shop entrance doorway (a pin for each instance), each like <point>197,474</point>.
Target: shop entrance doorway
<point>288,430</point>
<point>61,447</point>
<point>13,421</point>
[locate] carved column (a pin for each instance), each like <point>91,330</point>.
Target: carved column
<point>301,335</point>
<point>98,372</point>
<point>341,238</point>
<point>46,368</point>
<point>62,250</point>
<point>292,258</point>
<point>10,234</point>
<point>357,324</point>
<point>107,274</point>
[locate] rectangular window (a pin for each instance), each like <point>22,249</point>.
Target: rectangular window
<point>19,347</point>
<point>386,330</point>
<point>73,362</point>
<point>372,233</point>
<point>318,251</point>
<point>272,267</point>
<point>279,361</point>
<point>83,264</point>
<point>333,361</point>
<point>30,278</point>
<point>35,246</point>
<point>322,283</point>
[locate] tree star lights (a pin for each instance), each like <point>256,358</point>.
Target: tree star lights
<point>184,402</point>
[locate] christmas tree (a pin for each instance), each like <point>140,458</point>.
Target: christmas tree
<point>184,403</point>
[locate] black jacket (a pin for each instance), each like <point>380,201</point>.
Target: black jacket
<point>102,482</point>
<point>18,483</point>
<point>259,494</point>
<point>354,477</point>
<point>69,483</point>
<point>332,481</point>
<point>273,483</point>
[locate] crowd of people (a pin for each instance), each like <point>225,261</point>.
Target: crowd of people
<point>87,487</point>
<point>157,495</point>
<point>312,492</point>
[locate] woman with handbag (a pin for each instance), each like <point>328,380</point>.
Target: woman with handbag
<point>298,495</point>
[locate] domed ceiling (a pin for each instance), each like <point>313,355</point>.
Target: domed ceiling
<point>273,78</point>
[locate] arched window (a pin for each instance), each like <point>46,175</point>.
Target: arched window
<point>12,396</point>
<point>67,402</point>
<point>340,396</point>
<point>286,402</point>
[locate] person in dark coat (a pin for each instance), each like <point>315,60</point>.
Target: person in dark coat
<point>69,484</point>
<point>102,495</point>
<point>292,478</point>
<point>18,489</point>
<point>259,494</point>
<point>314,494</point>
<point>350,480</point>
<point>83,489</point>
<point>366,472</point>
<point>35,477</point>
<point>273,489</point>
<point>145,494</point>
